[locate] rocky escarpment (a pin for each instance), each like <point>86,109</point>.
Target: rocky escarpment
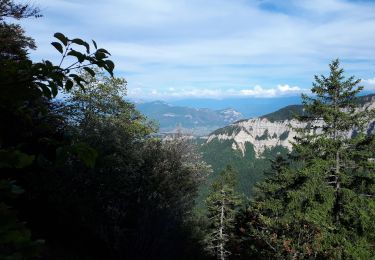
<point>272,130</point>
<point>260,132</point>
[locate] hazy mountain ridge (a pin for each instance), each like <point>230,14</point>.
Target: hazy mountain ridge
<point>197,121</point>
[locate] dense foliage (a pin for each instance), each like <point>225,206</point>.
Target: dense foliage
<point>95,185</point>
<point>250,169</point>
<point>320,203</point>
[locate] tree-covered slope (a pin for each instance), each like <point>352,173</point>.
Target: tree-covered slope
<point>248,145</point>
<point>286,113</point>
<point>249,168</point>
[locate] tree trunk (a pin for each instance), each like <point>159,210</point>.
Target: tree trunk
<point>221,232</point>
<point>337,162</point>
<point>337,171</point>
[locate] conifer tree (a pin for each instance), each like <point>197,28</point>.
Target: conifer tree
<point>221,205</point>
<point>324,205</point>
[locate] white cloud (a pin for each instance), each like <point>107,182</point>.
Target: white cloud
<point>280,90</point>
<point>369,81</point>
<point>258,91</point>
<point>205,47</point>
<point>216,93</point>
<point>288,89</point>
<point>369,84</point>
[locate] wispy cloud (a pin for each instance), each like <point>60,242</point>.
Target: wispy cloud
<point>280,90</point>
<point>217,45</point>
<point>216,93</point>
<point>369,84</point>
<point>369,81</point>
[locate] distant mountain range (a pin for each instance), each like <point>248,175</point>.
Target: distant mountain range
<point>249,106</point>
<point>196,121</point>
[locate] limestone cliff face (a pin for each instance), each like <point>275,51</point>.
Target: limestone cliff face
<point>265,134</point>
<point>261,133</point>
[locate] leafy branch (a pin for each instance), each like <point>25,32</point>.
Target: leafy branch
<point>50,78</point>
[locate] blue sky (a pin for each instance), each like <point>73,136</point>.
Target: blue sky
<point>175,49</point>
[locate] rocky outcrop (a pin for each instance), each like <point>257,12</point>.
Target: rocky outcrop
<point>264,134</point>
<point>260,132</point>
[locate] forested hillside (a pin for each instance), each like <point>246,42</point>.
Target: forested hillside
<point>250,169</point>
<point>290,112</point>
<point>250,145</point>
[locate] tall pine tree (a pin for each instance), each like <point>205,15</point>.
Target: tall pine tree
<point>221,205</point>
<point>323,206</point>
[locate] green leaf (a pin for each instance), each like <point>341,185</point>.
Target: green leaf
<point>61,37</point>
<point>110,64</point>
<point>81,86</point>
<point>100,55</point>
<point>54,89</point>
<point>45,89</point>
<point>78,55</point>
<point>68,85</point>
<point>72,75</point>
<point>83,43</point>
<point>58,46</point>
<point>48,63</point>
<point>85,153</point>
<point>79,81</point>
<point>104,51</point>
<point>82,150</point>
<point>90,71</point>
<point>15,159</point>
<point>96,46</point>
<point>78,41</point>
